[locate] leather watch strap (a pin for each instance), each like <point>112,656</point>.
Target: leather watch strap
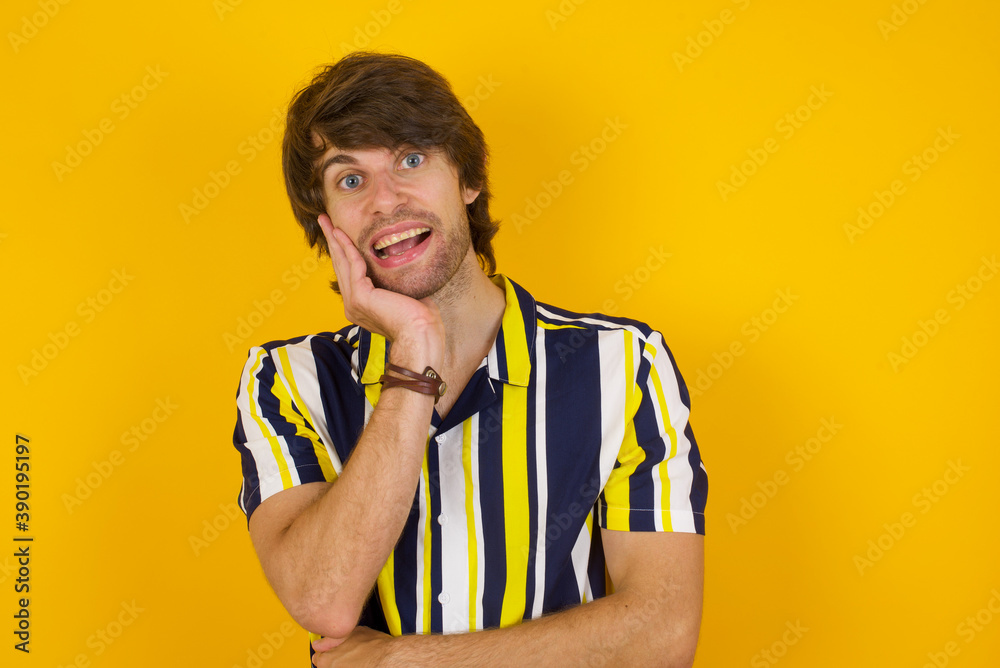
<point>428,382</point>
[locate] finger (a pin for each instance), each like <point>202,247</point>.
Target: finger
<point>355,274</point>
<point>322,660</point>
<point>342,266</point>
<point>326,225</point>
<point>334,248</point>
<point>356,263</point>
<point>325,644</point>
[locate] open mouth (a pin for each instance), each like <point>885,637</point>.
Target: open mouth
<point>397,244</point>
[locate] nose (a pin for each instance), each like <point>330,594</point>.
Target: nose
<point>388,193</point>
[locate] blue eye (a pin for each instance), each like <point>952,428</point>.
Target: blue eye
<point>413,160</point>
<point>352,181</point>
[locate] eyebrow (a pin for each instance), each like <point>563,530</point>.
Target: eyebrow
<point>339,159</point>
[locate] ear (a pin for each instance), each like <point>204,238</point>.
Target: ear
<point>469,195</point>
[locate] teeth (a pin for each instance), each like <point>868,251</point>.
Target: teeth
<point>396,238</point>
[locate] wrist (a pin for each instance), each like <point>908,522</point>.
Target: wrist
<point>404,651</point>
<point>428,382</point>
<point>416,352</point>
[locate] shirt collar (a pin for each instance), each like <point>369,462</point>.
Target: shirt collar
<point>509,359</point>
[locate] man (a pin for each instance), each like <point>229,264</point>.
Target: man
<point>392,512</point>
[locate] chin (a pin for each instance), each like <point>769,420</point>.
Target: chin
<point>446,272</point>
<point>418,286</point>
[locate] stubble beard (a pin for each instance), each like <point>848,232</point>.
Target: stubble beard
<point>442,275</point>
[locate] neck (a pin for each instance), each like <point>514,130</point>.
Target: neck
<point>472,308</point>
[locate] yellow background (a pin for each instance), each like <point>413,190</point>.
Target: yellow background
<point>543,79</point>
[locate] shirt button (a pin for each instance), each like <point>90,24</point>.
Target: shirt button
<point>442,519</point>
<point>443,598</point>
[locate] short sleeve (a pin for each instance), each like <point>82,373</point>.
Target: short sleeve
<point>659,482</point>
<point>278,445</point>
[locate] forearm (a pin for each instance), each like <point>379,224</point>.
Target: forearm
<point>333,551</point>
<point>323,564</point>
<point>621,629</point>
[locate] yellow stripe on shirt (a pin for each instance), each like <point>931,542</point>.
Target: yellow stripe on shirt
<point>516,508</point>
<point>515,341</point>
<point>549,325</point>
<point>265,429</point>
<point>387,595</point>
<point>375,366</point>
<point>374,369</point>
<point>322,455</point>
<point>668,427</point>
<point>630,455</point>
<point>427,544</point>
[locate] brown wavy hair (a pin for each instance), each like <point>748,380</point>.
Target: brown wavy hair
<point>378,100</point>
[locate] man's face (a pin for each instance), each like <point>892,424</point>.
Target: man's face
<point>405,213</point>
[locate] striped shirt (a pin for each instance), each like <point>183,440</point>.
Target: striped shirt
<point>572,421</point>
